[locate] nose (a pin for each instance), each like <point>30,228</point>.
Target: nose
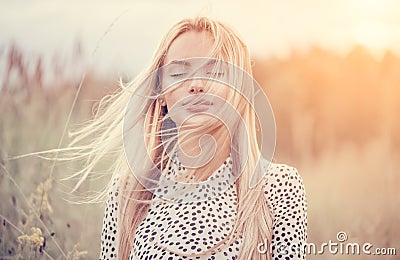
<point>196,87</point>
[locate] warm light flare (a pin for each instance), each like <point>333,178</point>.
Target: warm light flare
<point>375,35</point>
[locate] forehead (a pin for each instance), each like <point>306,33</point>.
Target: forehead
<point>189,45</point>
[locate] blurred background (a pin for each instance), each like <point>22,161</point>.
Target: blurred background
<point>331,70</point>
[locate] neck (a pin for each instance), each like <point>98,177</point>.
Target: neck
<point>205,160</point>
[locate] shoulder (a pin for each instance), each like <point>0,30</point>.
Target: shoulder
<point>283,185</point>
<point>109,231</point>
<point>275,173</point>
<point>112,193</point>
<point>281,175</point>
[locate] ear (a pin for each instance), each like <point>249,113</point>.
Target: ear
<point>163,105</point>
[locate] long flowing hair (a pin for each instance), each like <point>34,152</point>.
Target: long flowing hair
<point>253,221</point>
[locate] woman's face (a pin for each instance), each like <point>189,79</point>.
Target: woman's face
<point>179,64</point>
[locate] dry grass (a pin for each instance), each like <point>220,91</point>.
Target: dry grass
<point>37,221</point>
<point>337,124</point>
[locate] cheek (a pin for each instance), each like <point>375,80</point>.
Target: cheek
<point>170,100</point>
<point>221,91</point>
<point>172,97</point>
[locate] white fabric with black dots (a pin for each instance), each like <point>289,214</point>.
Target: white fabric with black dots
<point>187,227</point>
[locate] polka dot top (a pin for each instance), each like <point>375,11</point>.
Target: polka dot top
<point>191,220</point>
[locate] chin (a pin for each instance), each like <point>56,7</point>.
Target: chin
<point>197,120</point>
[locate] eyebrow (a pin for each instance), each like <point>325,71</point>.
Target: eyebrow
<point>181,62</point>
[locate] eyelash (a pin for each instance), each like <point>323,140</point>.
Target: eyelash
<point>175,75</point>
<point>218,74</point>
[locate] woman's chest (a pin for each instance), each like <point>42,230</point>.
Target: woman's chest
<point>171,229</point>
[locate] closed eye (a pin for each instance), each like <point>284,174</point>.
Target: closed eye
<point>216,74</point>
<point>175,75</point>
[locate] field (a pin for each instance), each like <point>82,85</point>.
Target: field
<point>337,122</point>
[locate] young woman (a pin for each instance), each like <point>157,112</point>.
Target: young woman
<point>189,181</point>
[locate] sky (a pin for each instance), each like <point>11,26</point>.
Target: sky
<point>120,36</point>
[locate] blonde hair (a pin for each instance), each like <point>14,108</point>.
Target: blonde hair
<point>253,220</point>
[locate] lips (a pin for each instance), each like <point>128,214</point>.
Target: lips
<point>197,104</point>
<point>197,101</point>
